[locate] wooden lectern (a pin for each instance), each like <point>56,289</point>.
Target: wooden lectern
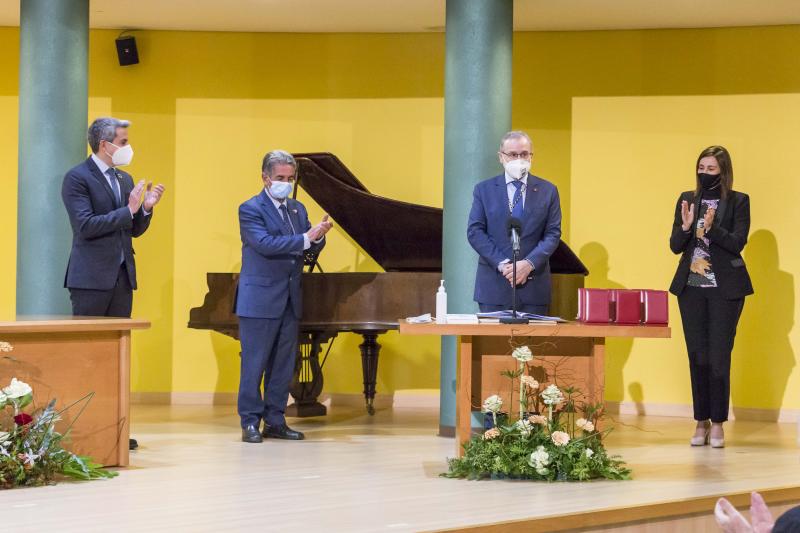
<point>485,349</point>
<point>68,357</point>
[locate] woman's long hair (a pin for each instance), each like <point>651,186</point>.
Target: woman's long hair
<point>725,169</point>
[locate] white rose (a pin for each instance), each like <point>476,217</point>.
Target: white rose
<point>522,354</point>
<point>539,459</point>
<point>492,404</point>
<point>3,398</point>
<point>529,382</point>
<point>524,427</point>
<point>5,347</point>
<point>589,453</point>
<point>584,424</point>
<point>17,389</point>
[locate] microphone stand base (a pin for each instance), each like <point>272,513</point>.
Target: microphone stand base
<point>511,320</point>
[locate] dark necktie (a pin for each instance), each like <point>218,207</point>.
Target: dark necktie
<point>285,217</point>
<point>516,210</point>
<point>112,175</point>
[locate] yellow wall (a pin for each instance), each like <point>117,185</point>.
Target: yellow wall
<point>631,158</point>
<point>205,107</point>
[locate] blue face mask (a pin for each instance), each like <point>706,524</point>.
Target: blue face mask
<point>280,189</point>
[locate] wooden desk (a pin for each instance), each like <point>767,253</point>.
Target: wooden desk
<point>68,357</point>
<point>484,350</point>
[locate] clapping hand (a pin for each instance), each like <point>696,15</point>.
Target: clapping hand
<point>319,231</point>
<point>135,197</point>
<point>152,195</point>
<point>732,521</point>
<point>687,214</point>
<point>708,219</point>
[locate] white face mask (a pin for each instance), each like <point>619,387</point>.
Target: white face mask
<point>517,168</point>
<point>122,156</point>
<point>280,189</point>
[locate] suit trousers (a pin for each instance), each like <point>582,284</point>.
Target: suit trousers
<point>116,302</point>
<point>269,351</point>
<point>709,327</point>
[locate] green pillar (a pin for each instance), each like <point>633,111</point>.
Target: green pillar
<point>477,113</point>
<point>53,109</point>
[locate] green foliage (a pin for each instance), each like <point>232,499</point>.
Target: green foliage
<point>31,452</point>
<point>509,455</point>
<point>561,446</point>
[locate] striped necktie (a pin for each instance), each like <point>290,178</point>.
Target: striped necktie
<point>112,177</point>
<point>516,210</point>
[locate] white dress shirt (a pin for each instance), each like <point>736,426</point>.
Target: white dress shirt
<point>278,204</point>
<point>511,189</point>
<point>104,171</point>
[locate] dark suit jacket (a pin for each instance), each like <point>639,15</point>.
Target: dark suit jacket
<point>727,238</point>
<point>487,233</point>
<point>272,258</point>
<point>101,232</point>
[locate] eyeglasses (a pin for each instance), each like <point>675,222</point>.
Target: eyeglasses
<point>517,155</point>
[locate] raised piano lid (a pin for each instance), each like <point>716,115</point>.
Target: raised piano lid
<point>399,236</point>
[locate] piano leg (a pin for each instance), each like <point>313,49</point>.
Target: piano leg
<point>308,379</point>
<point>369,366</point>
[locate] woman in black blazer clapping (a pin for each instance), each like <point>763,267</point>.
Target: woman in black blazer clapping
<point>710,230</point>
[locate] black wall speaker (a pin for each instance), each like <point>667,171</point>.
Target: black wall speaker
<point>126,51</point>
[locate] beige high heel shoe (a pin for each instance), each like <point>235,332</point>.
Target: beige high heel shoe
<point>717,443</point>
<point>703,439</point>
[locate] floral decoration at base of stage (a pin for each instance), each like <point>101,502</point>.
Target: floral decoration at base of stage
<point>31,452</point>
<point>553,437</point>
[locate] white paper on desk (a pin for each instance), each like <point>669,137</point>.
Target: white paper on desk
<point>421,319</point>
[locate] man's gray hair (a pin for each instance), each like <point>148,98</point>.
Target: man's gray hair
<point>515,135</point>
<point>277,157</point>
<point>104,129</point>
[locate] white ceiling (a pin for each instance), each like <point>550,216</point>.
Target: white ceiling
<point>421,15</point>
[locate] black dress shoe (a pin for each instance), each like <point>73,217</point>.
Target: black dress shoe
<point>282,432</point>
<point>132,444</point>
<point>250,434</point>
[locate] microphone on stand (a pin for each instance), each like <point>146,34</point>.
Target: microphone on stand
<point>514,227</point>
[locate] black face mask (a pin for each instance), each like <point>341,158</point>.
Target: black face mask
<point>709,181</point>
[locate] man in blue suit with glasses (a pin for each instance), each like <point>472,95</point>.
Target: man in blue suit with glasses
<point>275,232</point>
<point>535,203</point>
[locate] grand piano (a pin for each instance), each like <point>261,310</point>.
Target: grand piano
<point>404,239</point>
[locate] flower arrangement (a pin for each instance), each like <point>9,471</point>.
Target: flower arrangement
<point>30,447</point>
<point>538,447</point>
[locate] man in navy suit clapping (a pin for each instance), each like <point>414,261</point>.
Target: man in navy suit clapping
<point>275,232</point>
<point>534,202</point>
<point>106,210</point>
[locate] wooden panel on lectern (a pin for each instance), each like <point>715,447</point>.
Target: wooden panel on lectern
<point>570,357</point>
<point>67,366</point>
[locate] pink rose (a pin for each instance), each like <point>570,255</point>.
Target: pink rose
<point>538,419</point>
<point>490,434</point>
<point>560,438</point>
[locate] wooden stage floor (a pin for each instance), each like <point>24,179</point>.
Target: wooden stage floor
<point>359,473</point>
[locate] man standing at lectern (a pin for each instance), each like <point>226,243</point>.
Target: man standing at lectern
<point>532,201</point>
<point>275,231</point>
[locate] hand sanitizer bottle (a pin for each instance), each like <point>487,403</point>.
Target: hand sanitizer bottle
<point>441,305</point>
